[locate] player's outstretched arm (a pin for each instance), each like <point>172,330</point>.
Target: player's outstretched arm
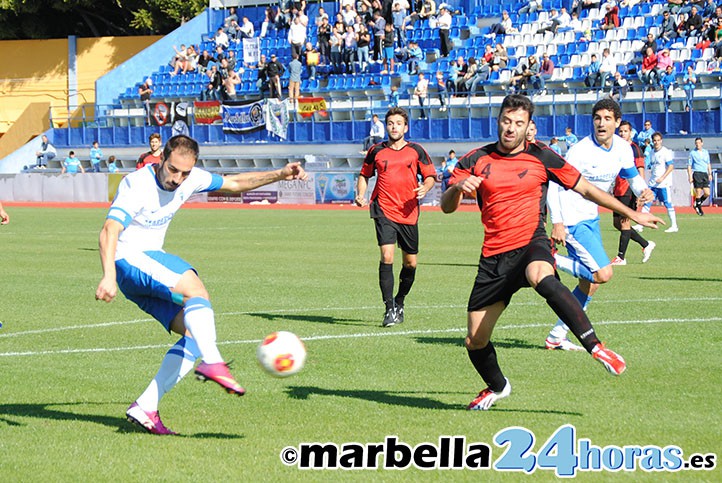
<point>108,242</point>
<point>241,182</point>
<point>451,198</point>
<point>602,198</point>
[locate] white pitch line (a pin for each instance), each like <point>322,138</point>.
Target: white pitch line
<point>343,309</point>
<point>352,336</point>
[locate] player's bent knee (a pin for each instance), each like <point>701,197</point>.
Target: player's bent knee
<point>603,275</point>
<point>475,343</point>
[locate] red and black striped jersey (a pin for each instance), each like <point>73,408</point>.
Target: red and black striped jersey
<point>512,195</point>
<point>621,185</point>
<point>396,179</point>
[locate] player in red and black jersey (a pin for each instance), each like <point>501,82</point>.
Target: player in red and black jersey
<point>509,179</point>
<point>624,193</point>
<point>154,155</point>
<point>398,165</point>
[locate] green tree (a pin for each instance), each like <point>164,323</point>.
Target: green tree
<point>25,19</point>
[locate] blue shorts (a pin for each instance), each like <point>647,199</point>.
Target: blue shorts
<point>147,278</point>
<point>388,52</point>
<point>661,195</point>
<point>584,244</point>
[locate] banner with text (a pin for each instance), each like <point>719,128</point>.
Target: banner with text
<point>243,116</point>
<point>207,112</point>
<point>335,188</point>
<point>308,105</point>
<point>251,50</point>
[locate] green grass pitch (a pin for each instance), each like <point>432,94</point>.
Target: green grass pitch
<point>69,365</point>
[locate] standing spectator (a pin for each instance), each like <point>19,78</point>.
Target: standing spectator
<point>444,24</point>
<point>397,16</point>
<point>96,154</point>
<point>145,91</point>
<point>72,164</point>
<point>389,49</point>
<point>376,133</point>
<point>421,91</point>
<point>688,82</point>
<point>569,137</point>
<point>362,47</point>
<point>324,41</point>
<point>45,153</point>
<point>154,155</point>
<point>666,81</point>
<point>212,91</point>
<point>229,84</point>
<point>4,217</point>
<point>441,90</point>
<point>112,167</point>
<point>349,49</point>
<point>379,27</point>
<point>262,75</point>
<point>447,169</point>
<point>297,36</point>
<point>394,206</point>
<point>274,71</point>
<point>394,97</point>
<point>699,169</point>
<point>336,44</point>
<point>294,80</point>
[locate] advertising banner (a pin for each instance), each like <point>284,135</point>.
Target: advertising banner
<point>335,188</point>
<point>297,191</point>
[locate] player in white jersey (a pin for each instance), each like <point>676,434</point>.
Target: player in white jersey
<point>661,167</point>
<point>162,284</point>
<point>600,157</point>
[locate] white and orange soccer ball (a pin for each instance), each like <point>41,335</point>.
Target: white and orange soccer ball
<point>281,354</point>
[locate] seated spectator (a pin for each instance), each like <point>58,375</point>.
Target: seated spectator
<point>694,21</point>
<point>203,61</point>
<point>45,153</point>
<point>682,26</point>
<point>619,87</point>
<point>648,74</point>
<point>554,146</point>
<point>607,67</point>
<point>610,20</point>
<point>593,77</point>
<point>557,20</point>
<point>501,56</point>
<point>458,69</point>
<point>221,39</point>
<point>179,59</point>
<point>464,82</point>
<point>312,58</point>
<point>414,56</point>
<point>247,30</point>
<point>483,70</point>
<point>519,76</point>
<point>112,167</point>
<point>531,6</point>
<point>72,164</point>
<point>427,10</point>
<point>231,17</point>
<point>502,28</point>
<point>664,60</point>
<point>575,24</point>
<point>234,32</point>
<point>376,134</point>
<point>667,29</point>
<point>546,71</point>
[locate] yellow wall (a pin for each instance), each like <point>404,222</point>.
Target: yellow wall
<point>37,71</point>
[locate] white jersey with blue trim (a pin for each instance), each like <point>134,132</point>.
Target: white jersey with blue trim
<point>658,162</point>
<point>600,167</point>
<point>145,209</point>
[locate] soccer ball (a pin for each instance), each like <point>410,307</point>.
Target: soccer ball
<point>281,354</point>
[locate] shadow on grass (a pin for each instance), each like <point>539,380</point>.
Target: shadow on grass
<point>321,319</point>
<point>51,412</point>
<point>399,398</point>
<point>431,264</point>
<point>498,343</point>
<point>682,279</point>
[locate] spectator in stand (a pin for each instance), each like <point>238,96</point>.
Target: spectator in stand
<point>297,36</point>
<point>444,25</point>
<point>389,49</point>
<point>324,41</point>
<point>376,134</point>
<point>112,167</point>
<point>268,21</point>
<point>203,61</point>
<point>96,155</point>
<point>154,155</point>
<point>607,68</point>
<point>709,9</point>
<point>229,84</point>
<point>447,169</point>
<point>531,6</point>
<point>349,49</point>
<point>247,30</point>
<point>717,14</point>
<point>71,165</point>
<point>569,137</point>
<point>379,28</point>
<point>421,91</point>
<point>593,76</point>
<point>648,74</point>
<point>664,60</point>
<point>488,54</point>
<point>219,55</point>
<point>234,32</point>
<point>145,91</point>
<point>336,46</point>
<point>232,61</point>
<point>441,90</point>
<point>427,10</point>
<point>221,39</point>
<point>262,76</point>
<point>554,146</point>
<point>397,16</point>
<point>546,71</point>
<point>667,29</point>
<point>518,76</point>
<point>45,153</point>
<point>415,55</point>
<point>649,43</point>
<point>688,83</point>
<point>682,26</point>
<point>645,133</point>
<point>501,56</point>
<point>575,24</point>
<point>464,82</point>
<point>302,17</point>
<point>363,43</point>
<point>275,70</point>
<point>180,60</point>
<point>667,79</point>
<point>610,21</point>
<point>212,92</point>
<point>295,68</point>
<point>558,19</point>
<point>458,69</point>
<point>502,28</point>
<point>707,35</point>
<point>694,22</point>
<point>394,97</point>
<point>619,87</point>
<point>483,71</point>
<point>312,59</point>
<point>231,17</point>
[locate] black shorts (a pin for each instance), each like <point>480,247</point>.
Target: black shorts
<point>389,233</point>
<point>501,276</point>
<point>700,180</point>
<point>629,200</point>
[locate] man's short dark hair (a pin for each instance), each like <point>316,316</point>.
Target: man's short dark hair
<point>71,153</point>
<point>397,111</point>
<point>181,143</point>
<point>155,135</point>
<point>626,123</point>
<point>657,134</point>
<point>451,152</point>
<point>698,139</point>
<point>513,102</point>
<point>610,105</point>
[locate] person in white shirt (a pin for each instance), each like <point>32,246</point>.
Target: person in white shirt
<point>163,285</point>
<point>600,157</point>
<point>376,134</point>
<point>247,30</point>
<point>661,167</point>
<point>221,38</point>
<point>607,68</point>
<point>444,24</point>
<point>297,36</point>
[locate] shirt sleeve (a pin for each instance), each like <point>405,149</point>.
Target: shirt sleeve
<point>125,205</point>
